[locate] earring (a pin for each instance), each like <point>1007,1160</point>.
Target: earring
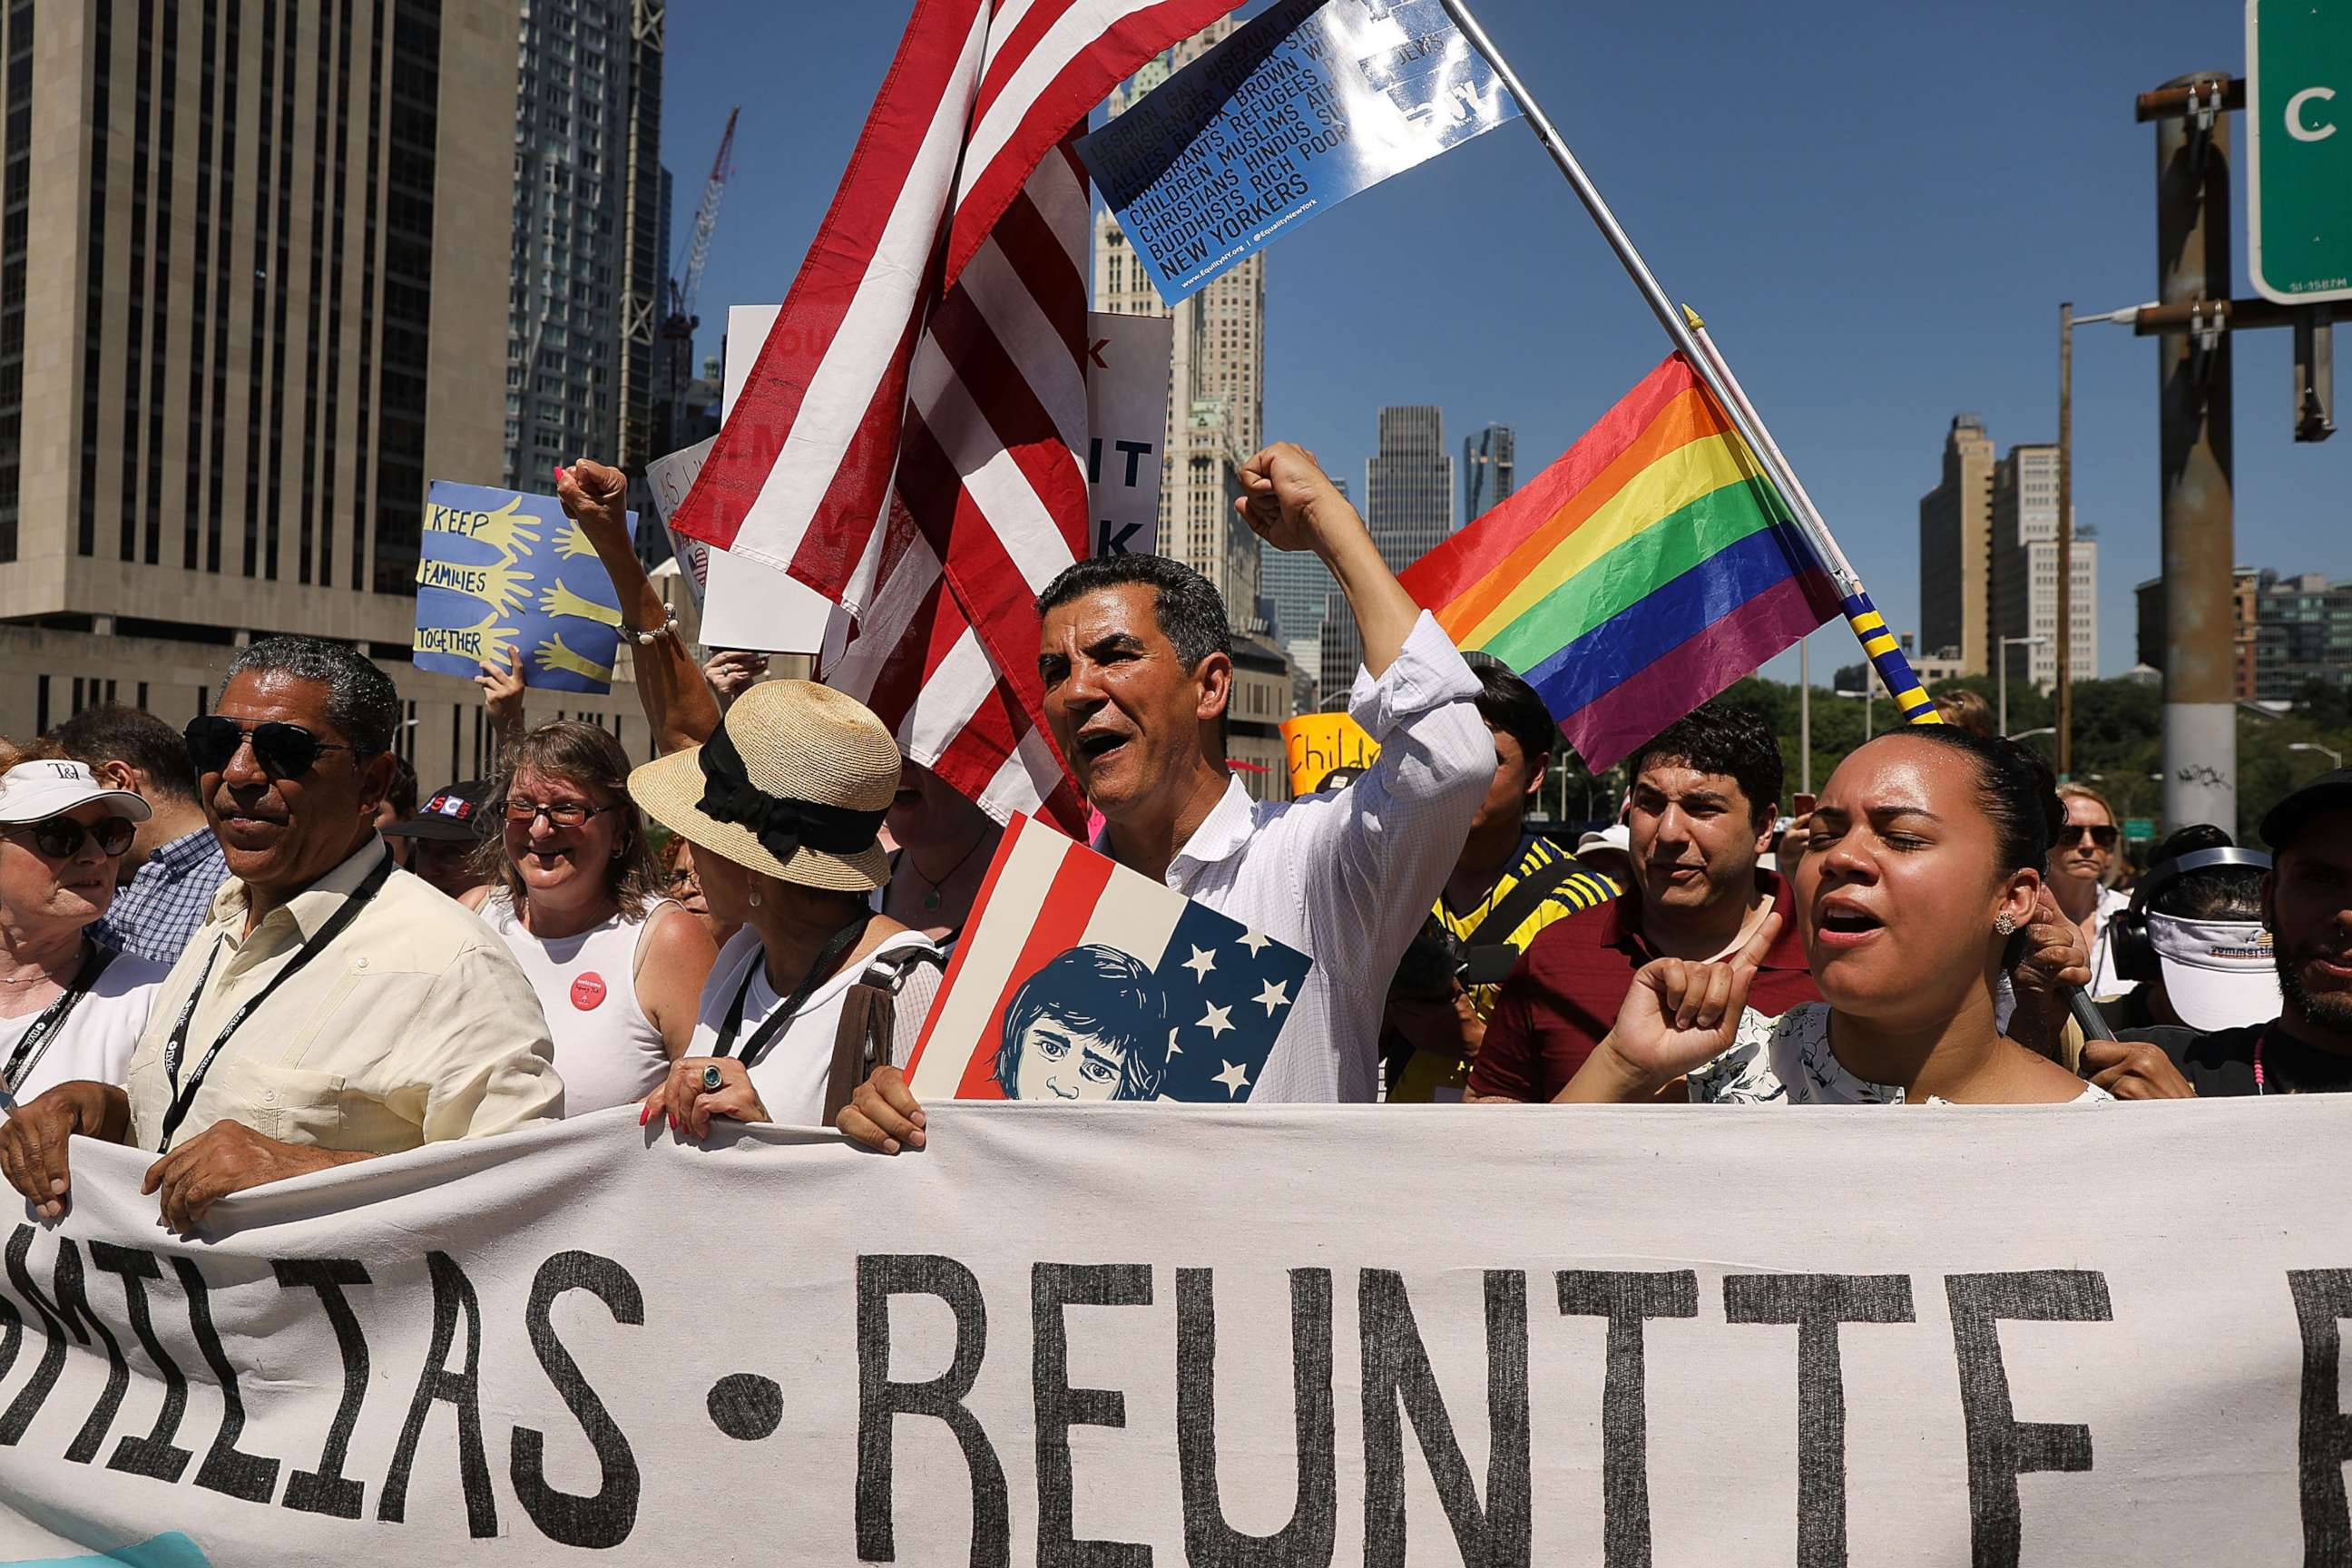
<point>754,898</point>
<point>2005,926</point>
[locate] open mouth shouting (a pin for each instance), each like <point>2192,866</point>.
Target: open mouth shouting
<point>1842,923</point>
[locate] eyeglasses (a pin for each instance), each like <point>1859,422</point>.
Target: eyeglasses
<point>563,814</point>
<point>61,838</point>
<point>284,751</point>
<point>2103,836</point>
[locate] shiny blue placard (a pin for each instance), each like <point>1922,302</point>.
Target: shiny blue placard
<point>1310,102</point>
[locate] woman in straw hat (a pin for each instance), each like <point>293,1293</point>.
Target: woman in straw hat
<point>783,801</point>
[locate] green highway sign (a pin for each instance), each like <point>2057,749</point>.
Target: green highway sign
<point>2140,830</point>
<point>2299,103</point>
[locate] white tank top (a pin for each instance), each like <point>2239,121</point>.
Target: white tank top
<point>606,1050</point>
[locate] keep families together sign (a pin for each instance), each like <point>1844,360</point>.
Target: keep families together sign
<point>1208,1335</point>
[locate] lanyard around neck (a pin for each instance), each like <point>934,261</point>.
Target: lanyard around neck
<point>46,1029</point>
<point>827,957</point>
<point>183,1097</point>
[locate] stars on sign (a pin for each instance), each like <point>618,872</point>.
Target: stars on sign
<point>1274,994</point>
<point>1201,961</point>
<point>1218,1021</point>
<point>1230,990</point>
<point>1235,1077</point>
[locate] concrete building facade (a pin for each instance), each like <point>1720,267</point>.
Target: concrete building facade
<point>2024,554</point>
<point>2289,630</point>
<point>253,260</point>
<point>1955,552</point>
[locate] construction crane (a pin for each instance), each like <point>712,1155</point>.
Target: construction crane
<point>678,321</point>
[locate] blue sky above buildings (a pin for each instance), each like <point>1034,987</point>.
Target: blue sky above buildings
<point>1878,208</point>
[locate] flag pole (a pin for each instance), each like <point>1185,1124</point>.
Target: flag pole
<point>1879,644</point>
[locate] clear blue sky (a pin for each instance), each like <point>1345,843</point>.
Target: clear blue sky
<point>1878,208</point>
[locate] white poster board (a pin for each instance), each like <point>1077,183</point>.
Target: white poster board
<point>1126,409</point>
<point>748,605</point>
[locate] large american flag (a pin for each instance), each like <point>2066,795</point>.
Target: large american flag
<point>908,441</point>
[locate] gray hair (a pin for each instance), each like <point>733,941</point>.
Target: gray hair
<point>362,700</point>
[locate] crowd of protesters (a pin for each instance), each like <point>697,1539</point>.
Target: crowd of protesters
<point>255,949</point>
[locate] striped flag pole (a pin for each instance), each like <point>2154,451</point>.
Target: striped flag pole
<point>1885,654</point>
<point>1879,644</point>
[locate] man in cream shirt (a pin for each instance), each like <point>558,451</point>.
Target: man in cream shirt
<point>331,1008</point>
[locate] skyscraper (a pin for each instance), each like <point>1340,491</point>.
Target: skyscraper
<point>1489,471</point>
<point>1956,550</point>
<point>243,246</point>
<point>1216,404</point>
<point>1300,586</point>
<point>2025,571</point>
<point>1409,485</point>
<point>587,161</point>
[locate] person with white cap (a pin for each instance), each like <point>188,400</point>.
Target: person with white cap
<point>783,801</point>
<point>2306,1047</point>
<point>70,1008</point>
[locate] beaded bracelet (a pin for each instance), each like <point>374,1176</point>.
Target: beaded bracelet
<point>667,628</point>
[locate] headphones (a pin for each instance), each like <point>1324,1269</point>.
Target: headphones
<point>2133,951</point>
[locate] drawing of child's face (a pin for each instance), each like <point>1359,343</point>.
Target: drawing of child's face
<point>1059,1063</point>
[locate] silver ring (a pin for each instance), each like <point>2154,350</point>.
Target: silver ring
<point>711,1080</point>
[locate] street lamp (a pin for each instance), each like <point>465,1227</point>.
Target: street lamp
<point>2335,758</point>
<point>2065,693</point>
<point>1869,696</point>
<point>2006,644</point>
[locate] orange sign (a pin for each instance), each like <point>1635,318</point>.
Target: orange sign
<point>1319,744</point>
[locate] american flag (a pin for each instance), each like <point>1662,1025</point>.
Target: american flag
<point>918,414</point>
<point>1166,998</point>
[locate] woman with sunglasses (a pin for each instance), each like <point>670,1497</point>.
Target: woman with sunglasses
<point>70,1010</point>
<point>575,891</point>
<point>1916,883</point>
<point>685,885</point>
<point>2082,871</point>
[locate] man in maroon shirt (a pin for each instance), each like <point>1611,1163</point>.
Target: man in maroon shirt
<point>1705,795</point>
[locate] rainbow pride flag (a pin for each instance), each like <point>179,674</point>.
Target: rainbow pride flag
<point>1645,571</point>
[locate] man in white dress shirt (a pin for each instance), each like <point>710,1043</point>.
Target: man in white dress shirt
<point>1136,657</point>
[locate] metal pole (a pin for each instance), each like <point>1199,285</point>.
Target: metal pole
<point>2065,716</point>
<point>2193,201</point>
<point>1805,714</point>
<point>2004,727</point>
<point>1861,615</point>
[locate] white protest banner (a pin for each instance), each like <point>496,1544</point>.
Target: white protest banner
<point>748,603</point>
<point>1163,1334</point>
<point>1127,412</point>
<point>669,477</point>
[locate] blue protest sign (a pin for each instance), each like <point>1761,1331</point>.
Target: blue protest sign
<point>1309,103</point>
<point>502,572</point>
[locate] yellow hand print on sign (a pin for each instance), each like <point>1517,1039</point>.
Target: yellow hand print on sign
<point>485,639</point>
<point>554,654</point>
<point>575,542</point>
<point>510,530</point>
<point>505,587</point>
<point>561,601</point>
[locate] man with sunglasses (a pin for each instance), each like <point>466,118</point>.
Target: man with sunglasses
<point>2081,865</point>
<point>334,1007</point>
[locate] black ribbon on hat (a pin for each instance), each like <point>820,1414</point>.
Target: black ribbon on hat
<point>780,823</point>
